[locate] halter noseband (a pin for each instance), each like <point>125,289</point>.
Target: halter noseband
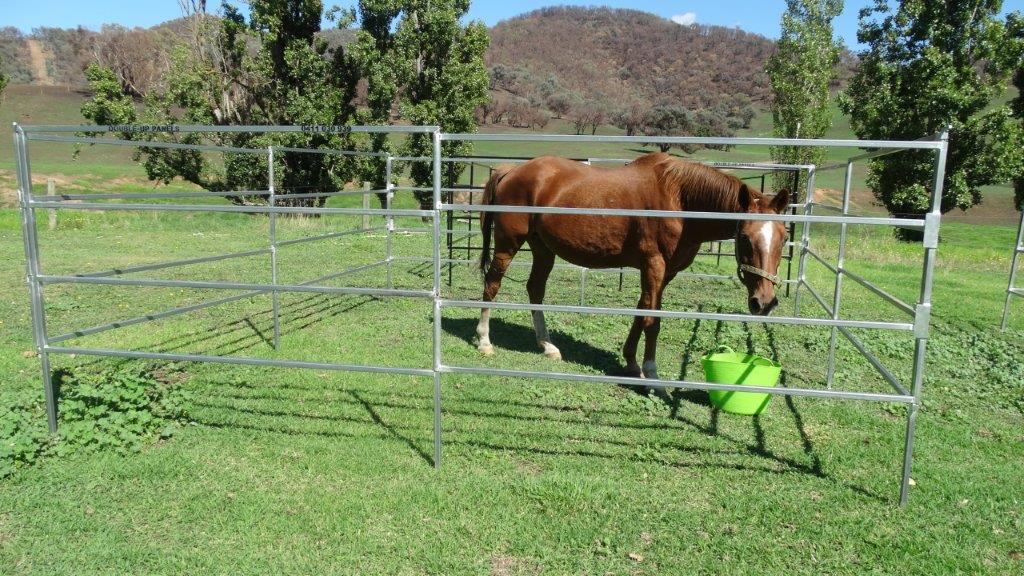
<point>773,278</point>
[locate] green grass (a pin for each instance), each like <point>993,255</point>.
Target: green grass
<point>300,471</point>
<point>310,471</point>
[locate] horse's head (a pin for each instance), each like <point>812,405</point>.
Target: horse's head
<point>759,246</point>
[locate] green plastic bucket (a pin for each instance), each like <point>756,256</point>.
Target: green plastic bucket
<point>724,366</point>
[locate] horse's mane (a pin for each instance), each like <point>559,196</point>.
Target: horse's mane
<point>703,187</point>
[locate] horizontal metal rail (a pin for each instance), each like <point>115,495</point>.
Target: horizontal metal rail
<point>720,141</point>
<point>151,316</point>
<point>224,208</point>
<point>880,292</point>
<point>874,361</point>
<point>148,144</point>
<point>822,261</point>
<point>828,207</point>
<point>869,221</point>
<point>203,285</point>
<point>284,196</point>
<point>329,152</point>
<point>570,266</point>
<point>821,322</point>
<point>158,195</point>
<point>174,263</point>
<point>714,163</point>
<point>685,384</point>
<point>170,357</point>
<point>281,243</point>
<point>200,306</point>
<point>207,129</point>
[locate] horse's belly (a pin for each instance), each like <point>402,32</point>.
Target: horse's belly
<point>590,241</point>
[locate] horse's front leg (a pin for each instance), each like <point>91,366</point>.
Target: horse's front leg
<point>652,275</point>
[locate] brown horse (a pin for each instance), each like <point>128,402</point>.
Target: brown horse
<point>658,247</point>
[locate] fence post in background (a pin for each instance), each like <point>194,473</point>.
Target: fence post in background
<point>837,293</point>
<point>274,296</point>
<point>389,195</point>
<point>1011,286</point>
<point>794,198</point>
<point>35,288</point>
<point>437,298</point>
<point>805,239</point>
<point>51,191</point>
<point>366,205</point>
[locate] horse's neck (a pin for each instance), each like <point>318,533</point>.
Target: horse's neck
<point>709,230</point>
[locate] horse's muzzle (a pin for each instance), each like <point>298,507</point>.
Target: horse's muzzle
<point>761,309</point>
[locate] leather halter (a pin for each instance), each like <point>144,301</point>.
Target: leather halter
<point>740,267</point>
<point>773,278</point>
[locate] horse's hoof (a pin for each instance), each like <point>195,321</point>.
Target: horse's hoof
<point>650,370</point>
<point>633,371</point>
<point>486,350</point>
<point>550,351</point>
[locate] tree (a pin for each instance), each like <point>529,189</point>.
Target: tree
<point>1015,29</point>
<point>630,118</point>
<point>929,65</point>
<point>3,78</point>
<point>561,103</point>
<point>288,77</point>
<point>801,72</point>
<point>669,120</point>
<point>418,56</point>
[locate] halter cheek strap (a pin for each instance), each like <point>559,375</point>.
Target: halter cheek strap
<point>773,278</point>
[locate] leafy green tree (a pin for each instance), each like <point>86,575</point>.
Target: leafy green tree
<point>801,72</point>
<point>288,77</point>
<point>669,120</point>
<point>418,57</point>
<point>1015,54</point>
<point>932,64</point>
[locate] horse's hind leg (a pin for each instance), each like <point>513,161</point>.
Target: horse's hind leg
<point>505,249</point>
<point>543,262</point>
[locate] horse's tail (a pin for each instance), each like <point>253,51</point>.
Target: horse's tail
<point>487,218</point>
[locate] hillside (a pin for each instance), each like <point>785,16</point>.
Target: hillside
<point>628,55</point>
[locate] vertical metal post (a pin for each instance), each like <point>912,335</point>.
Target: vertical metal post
<point>274,296</point>
<point>437,299</point>
<point>1017,249</point>
<point>805,239</point>
<point>51,214</point>
<point>792,230</point>
<point>837,293</point>
<point>922,312</point>
<point>366,205</point>
<point>583,285</point>
<point>469,221</point>
<point>32,268</point>
<point>389,195</point>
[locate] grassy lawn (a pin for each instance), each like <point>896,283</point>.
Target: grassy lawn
<point>312,471</point>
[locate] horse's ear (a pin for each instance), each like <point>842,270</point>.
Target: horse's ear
<point>780,202</point>
<point>746,197</point>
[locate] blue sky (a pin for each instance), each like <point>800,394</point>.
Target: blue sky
<point>761,16</point>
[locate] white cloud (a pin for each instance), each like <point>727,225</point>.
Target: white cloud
<point>685,19</point>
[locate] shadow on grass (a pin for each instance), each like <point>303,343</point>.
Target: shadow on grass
<point>518,338</point>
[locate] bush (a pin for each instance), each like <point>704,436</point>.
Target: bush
<point>122,409</point>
